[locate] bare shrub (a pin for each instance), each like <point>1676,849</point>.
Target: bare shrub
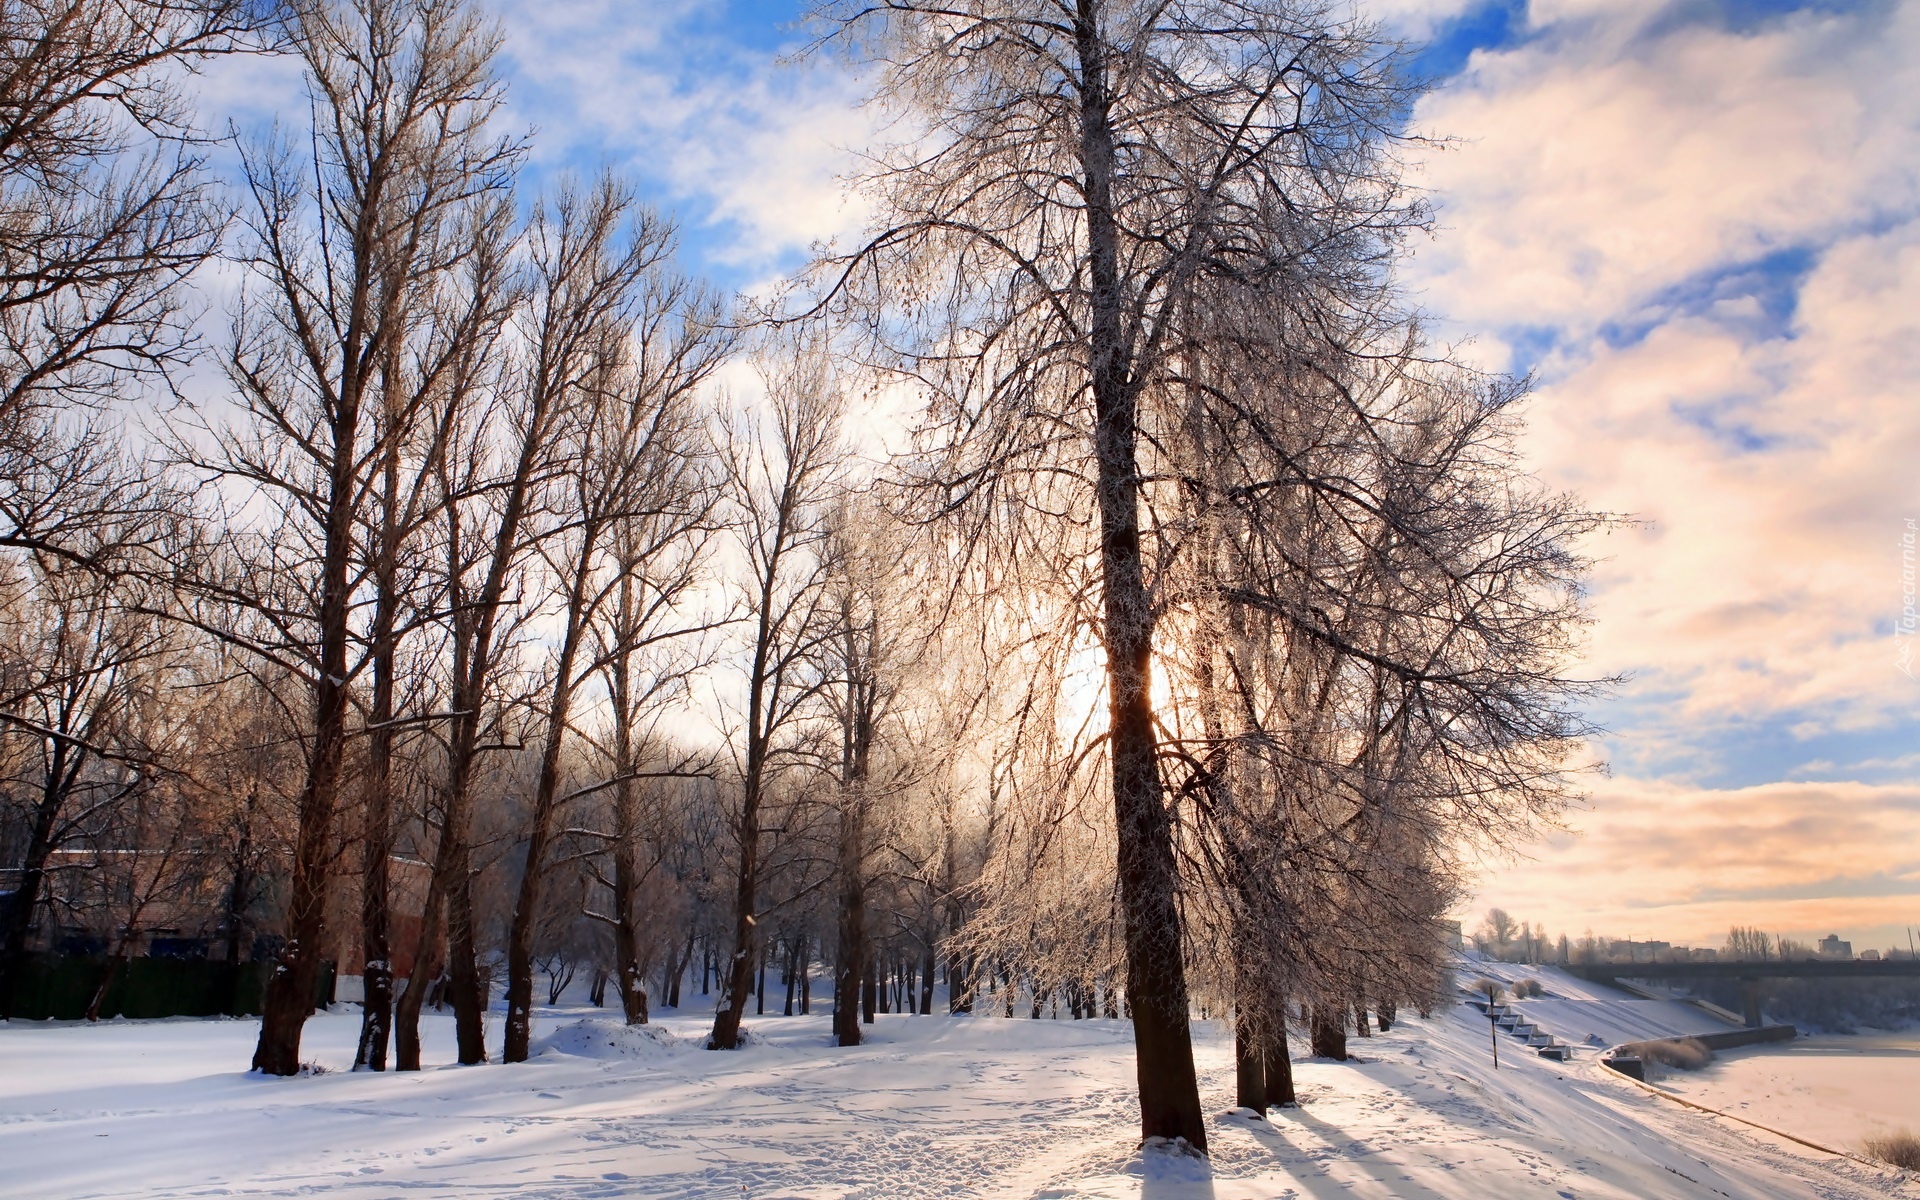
<point>1528,988</point>
<point>1902,1149</point>
<point>1492,989</point>
<point>1688,1054</point>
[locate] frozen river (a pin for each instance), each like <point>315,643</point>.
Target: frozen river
<point>1837,1090</point>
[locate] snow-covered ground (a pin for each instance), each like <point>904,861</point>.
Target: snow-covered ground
<point>1835,1090</point>
<point>931,1107</point>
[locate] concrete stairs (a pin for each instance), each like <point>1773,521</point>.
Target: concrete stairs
<point>1517,1026</point>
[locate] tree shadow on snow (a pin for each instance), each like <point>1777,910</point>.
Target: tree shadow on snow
<point>1312,1173</point>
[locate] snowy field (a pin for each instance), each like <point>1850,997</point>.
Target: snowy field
<point>933,1107</point>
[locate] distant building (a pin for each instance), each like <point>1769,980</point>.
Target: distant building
<point>1451,931</point>
<point>1832,947</point>
<point>1869,956</point>
<point>1632,951</point>
<point>1704,954</point>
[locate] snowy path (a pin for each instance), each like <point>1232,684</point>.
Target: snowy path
<point>934,1107</point>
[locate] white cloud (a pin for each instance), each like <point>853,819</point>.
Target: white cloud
<point>1413,19</point>
<point>1609,173</point>
<point>1712,237</point>
<point>1766,572</point>
<point>756,145</point>
<point>1598,164</point>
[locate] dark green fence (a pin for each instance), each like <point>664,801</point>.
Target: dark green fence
<point>61,986</point>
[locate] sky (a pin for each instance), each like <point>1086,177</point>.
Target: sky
<point>1694,223</point>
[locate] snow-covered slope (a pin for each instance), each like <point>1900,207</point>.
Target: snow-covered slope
<point>1592,1014</point>
<point>934,1106</point>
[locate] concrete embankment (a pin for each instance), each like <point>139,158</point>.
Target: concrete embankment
<point>1633,1064</point>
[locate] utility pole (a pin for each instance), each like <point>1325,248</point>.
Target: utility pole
<point>1493,1021</point>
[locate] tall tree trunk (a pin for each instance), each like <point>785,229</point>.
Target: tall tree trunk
<point>631,971</point>
<point>850,972</point>
<point>376,1011</point>
<point>519,1030</point>
<point>1276,1063</point>
<point>959,969</point>
<point>1149,884</point>
<point>1249,1066</point>
<point>428,959</point>
<point>959,983</point>
<point>114,965</point>
<point>1329,1032</point>
<point>240,894</point>
<point>626,826</point>
<point>466,987</point>
<point>856,742</point>
<point>737,972</point>
<point>679,972</point>
<point>296,974</point>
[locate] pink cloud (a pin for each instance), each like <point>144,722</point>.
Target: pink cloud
<point>1660,859</point>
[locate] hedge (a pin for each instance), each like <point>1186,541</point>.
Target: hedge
<point>60,986</point>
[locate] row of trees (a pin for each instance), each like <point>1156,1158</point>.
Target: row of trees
<point>1502,937</point>
<point>1139,259</point>
<point>1205,623</point>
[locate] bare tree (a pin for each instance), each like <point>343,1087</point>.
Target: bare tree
<point>861,687</point>
<point>1084,167</point>
<point>105,210</point>
<point>659,559</point>
<point>401,93</point>
<point>1380,667</point>
<point>80,669</point>
<point>582,292</point>
<point>782,473</point>
<point>1498,930</point>
<point>634,501</point>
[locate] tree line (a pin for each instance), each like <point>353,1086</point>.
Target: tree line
<point>1200,628</point>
